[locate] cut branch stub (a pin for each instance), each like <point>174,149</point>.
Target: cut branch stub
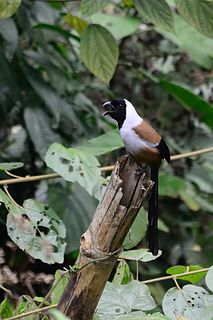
<point>101,243</point>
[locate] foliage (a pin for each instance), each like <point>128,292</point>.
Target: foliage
<point>158,54</point>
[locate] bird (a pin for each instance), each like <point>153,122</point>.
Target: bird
<point>146,146</point>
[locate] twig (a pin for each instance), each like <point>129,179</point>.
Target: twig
<point>103,169</point>
<point>32,312</point>
<point>175,276</point>
<point>11,198</point>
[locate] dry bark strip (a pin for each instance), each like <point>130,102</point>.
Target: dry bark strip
<point>103,240</point>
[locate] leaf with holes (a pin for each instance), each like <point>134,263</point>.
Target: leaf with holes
<point>8,7</point>
<point>89,7</point>
<point>199,13</point>
<point>123,274</point>
<point>193,278</point>
<point>189,302</point>
<point>99,52</point>
<point>139,255</point>
<point>36,229</point>
<point>122,299</point>
<point>75,165</point>
<point>156,11</point>
<point>209,279</point>
<point>10,166</point>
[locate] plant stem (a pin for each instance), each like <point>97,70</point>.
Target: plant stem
<point>103,169</point>
<point>32,312</point>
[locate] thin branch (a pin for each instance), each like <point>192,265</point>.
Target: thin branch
<point>103,169</point>
<point>175,276</point>
<point>25,314</point>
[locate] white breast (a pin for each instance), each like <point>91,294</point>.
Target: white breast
<point>133,143</point>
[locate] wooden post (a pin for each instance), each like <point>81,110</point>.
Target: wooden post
<point>101,243</point>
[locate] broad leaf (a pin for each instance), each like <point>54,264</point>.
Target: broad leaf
<point>75,207</point>
<point>10,165</point>
<point>59,285</point>
<point>6,309</point>
<point>190,101</point>
<point>137,231</point>
<point>58,315</point>
<point>156,11</point>
<point>105,143</point>
<point>39,127</point>
<point>122,299</point>
<point>188,302</point>
<point>9,32</point>
<point>8,7</point>
<point>76,23</point>
<point>196,45</point>
<point>139,315</point>
<point>89,7</point>
<point>119,26</point>
<point>199,13</point>
<point>193,278</point>
<point>122,274</point>
<point>143,255</point>
<point>36,229</point>
<point>209,279</point>
<point>76,165</point>
<point>99,52</point>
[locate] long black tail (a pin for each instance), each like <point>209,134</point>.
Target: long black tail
<point>153,213</point>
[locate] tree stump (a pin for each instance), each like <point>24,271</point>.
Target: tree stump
<point>101,244</point>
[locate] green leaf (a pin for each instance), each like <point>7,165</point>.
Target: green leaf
<point>123,274</point>
<point>199,13</point>
<point>186,302</point>
<point>36,229</point>
<point>137,231</point>
<point>8,7</point>
<point>143,255</point>
<point>119,26</point>
<point>193,278</point>
<point>10,165</point>
<point>122,299</point>
<point>170,185</point>
<point>75,165</point>
<point>39,128</point>
<point>99,52</point>
<point>57,29</point>
<point>89,7</point>
<point>6,309</point>
<point>156,11</point>
<point>59,285</point>
<point>139,315</point>
<point>190,101</point>
<point>26,304</point>
<point>209,279</point>
<point>75,207</point>
<point>105,143</point>
<point>9,32</point>
<point>196,45</point>
<point>58,315</point>
<point>76,23</point>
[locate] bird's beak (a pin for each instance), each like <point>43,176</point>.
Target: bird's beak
<point>108,108</point>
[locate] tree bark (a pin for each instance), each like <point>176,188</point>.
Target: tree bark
<point>101,244</point>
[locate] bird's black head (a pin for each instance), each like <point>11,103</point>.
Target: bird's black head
<point>116,109</point>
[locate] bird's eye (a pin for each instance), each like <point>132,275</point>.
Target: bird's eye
<point>120,106</point>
